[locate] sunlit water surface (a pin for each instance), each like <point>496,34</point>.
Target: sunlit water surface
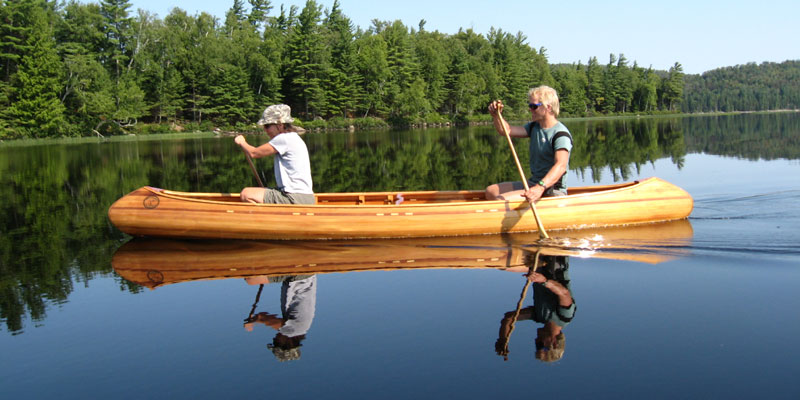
<point>716,317</point>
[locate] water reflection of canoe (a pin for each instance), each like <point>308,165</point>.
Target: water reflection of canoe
<point>155,262</point>
<point>157,212</point>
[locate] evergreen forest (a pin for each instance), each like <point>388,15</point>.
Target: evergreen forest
<point>749,87</point>
<point>99,68</point>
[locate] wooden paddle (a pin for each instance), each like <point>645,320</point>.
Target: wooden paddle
<point>539,225</point>
<point>252,167</point>
<point>519,306</point>
<point>255,304</point>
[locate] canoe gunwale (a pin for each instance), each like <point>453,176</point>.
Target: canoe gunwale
<point>585,192</point>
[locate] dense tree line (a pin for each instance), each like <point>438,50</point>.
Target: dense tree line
<point>73,69</point>
<point>617,87</point>
<point>749,87</point>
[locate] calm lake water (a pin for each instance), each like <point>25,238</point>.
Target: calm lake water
<point>704,308</point>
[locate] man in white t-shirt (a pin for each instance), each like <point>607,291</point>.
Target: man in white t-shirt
<point>292,165</point>
<point>298,304</point>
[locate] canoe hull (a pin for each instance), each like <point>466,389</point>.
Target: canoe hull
<point>155,212</point>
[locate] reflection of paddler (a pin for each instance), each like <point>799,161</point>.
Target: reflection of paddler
<point>298,303</point>
<point>553,306</point>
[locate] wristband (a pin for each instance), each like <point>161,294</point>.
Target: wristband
<point>541,183</point>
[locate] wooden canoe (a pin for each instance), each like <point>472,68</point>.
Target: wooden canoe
<point>154,262</point>
<point>150,211</point>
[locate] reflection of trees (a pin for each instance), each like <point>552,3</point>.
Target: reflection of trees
<point>53,214</point>
<point>415,160</point>
<point>624,145</point>
<point>749,136</point>
<point>471,158</point>
<point>56,231</point>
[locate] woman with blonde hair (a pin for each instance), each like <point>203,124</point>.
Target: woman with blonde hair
<point>550,146</point>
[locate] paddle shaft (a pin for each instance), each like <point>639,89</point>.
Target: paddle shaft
<point>519,306</point>
<point>255,304</point>
<point>253,167</point>
<point>539,225</point>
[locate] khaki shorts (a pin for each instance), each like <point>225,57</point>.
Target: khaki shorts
<point>275,196</point>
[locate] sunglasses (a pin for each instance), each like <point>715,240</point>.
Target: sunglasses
<point>540,345</point>
<point>534,106</point>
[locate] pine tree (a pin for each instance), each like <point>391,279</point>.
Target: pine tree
<point>433,61</point>
<point>373,66</point>
<point>571,87</point>
<point>403,66</point>
<point>672,93</point>
<point>471,73</point>
<point>645,97</point>
<point>259,9</point>
<point>117,30</point>
<point>594,89</point>
<point>624,86</point>
<point>508,58</point>
<point>340,83</point>
<point>117,54</point>
<point>305,55</point>
<point>88,94</point>
<point>15,26</point>
<point>235,15</point>
<point>36,109</point>
<point>230,100</point>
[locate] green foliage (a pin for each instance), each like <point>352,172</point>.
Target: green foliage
<point>341,83</point>
<point>369,123</point>
<point>116,50</point>
<point>571,86</point>
<point>433,64</point>
<point>750,87</point>
<point>230,99</point>
<point>340,123</point>
<point>36,109</point>
<point>129,99</point>
<point>15,26</point>
<point>147,129</point>
<point>313,124</point>
<point>102,69</point>
<point>305,68</point>
<point>469,74</point>
<point>672,88</point>
<point>436,118</point>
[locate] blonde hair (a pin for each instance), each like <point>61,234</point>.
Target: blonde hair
<point>547,96</point>
<point>556,353</point>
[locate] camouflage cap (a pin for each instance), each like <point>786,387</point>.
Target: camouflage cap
<point>276,114</point>
<point>285,354</point>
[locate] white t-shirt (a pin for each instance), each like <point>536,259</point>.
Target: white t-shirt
<point>292,165</point>
<point>298,303</point>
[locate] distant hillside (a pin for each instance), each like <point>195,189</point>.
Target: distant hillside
<point>749,87</point>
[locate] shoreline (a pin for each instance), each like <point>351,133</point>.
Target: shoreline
<point>217,132</point>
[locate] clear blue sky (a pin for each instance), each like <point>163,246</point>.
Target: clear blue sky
<point>702,35</point>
